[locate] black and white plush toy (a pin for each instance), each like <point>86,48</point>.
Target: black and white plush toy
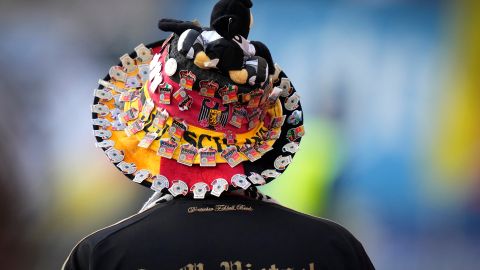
<point>224,44</point>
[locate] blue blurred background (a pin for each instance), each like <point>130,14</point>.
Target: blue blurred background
<point>390,88</point>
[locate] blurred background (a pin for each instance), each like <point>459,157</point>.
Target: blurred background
<point>391,93</point>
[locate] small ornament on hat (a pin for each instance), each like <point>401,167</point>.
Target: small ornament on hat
<point>240,180</point>
<point>255,98</point>
<point>272,134</point>
<point>292,102</point>
<point>229,94</point>
<point>250,152</point>
<point>177,129</point>
<point>147,140</point>
<point>294,134</point>
<point>155,61</point>
<point>277,72</point>
<point>239,115</point>
<point>187,154</point>
<point>105,144</point>
<point>281,162</point>
<point>144,54</point>
<point>114,155</point>
<point>295,118</point>
<point>270,174</point>
<point>199,190</point>
<point>185,104</point>
<point>273,97</point>
<point>256,179</point>
<point>171,67</point>
<point>208,88</point>
<point>100,109</point>
<point>254,118</point>
<point>213,115</point>
<point>133,82</point>
<point>178,188</point>
<point>167,148</point>
<point>104,134</point>
<point>291,147</point>
<point>180,95</point>
<point>184,100</point>
<point>167,42</point>
<point>232,156</point>
<point>219,185</point>
<point>155,69</point>
<point>118,103</point>
<point>277,121</point>
<point>187,79</point>
<point>115,112</point>
<point>263,147</point>
<point>128,115</point>
<point>147,109</point>
<point>286,87</point>
<point>207,157</point>
<point>244,98</point>
<point>155,80</point>
<point>118,74</point>
<point>128,63</point>
<point>102,94</point>
<point>134,128</point>
<point>110,85</point>
<point>118,125</point>
<point>160,118</point>
<point>160,183</point>
<point>101,122</point>
<point>127,168</point>
<point>144,72</point>
<point>141,176</point>
<point>229,137</point>
<point>128,96</point>
<point>165,93</point>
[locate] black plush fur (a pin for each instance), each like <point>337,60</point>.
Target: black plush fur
<point>229,18</point>
<point>177,26</point>
<point>264,52</point>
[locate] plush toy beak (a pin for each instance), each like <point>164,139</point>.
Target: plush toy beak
<point>212,63</point>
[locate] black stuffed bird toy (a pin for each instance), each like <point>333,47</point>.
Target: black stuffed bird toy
<point>224,45</point>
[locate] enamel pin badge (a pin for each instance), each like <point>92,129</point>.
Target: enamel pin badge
<point>208,88</point>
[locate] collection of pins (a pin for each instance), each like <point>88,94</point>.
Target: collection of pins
<point>132,121</point>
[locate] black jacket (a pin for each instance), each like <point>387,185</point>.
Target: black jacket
<point>228,233</point>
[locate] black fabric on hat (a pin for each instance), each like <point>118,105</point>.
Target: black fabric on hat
<point>177,26</point>
<point>231,17</point>
<point>262,51</point>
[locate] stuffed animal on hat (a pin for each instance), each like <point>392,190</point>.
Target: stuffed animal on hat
<point>224,45</point>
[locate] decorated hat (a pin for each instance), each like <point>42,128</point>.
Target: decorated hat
<point>171,126</point>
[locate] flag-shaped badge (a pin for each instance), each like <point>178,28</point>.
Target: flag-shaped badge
<point>229,94</point>
<point>187,79</point>
<point>208,88</point>
<point>207,157</point>
<point>232,156</point>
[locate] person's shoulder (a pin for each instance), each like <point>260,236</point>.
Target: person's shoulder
<point>82,255</point>
<point>318,221</point>
<point>322,229</point>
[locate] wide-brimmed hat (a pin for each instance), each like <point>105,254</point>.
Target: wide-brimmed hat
<point>169,125</point>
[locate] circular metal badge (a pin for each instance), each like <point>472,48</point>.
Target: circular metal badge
<point>171,66</point>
